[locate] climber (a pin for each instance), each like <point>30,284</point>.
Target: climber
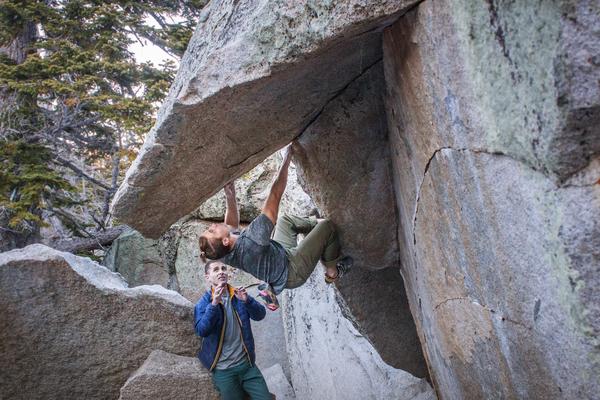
<point>222,317</point>
<point>281,262</point>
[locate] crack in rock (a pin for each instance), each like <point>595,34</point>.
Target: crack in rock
<point>245,159</point>
<point>464,150</point>
<point>557,186</point>
<point>427,165</point>
<point>448,300</point>
<point>501,316</point>
<point>416,210</point>
<point>337,94</point>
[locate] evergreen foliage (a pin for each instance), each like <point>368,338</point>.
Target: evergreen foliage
<point>75,103</point>
<point>27,185</point>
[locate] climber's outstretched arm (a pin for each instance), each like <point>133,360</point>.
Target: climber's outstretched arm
<point>271,206</point>
<point>232,214</point>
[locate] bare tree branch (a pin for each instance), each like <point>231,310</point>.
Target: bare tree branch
<point>97,241</point>
<point>65,163</point>
<point>76,225</point>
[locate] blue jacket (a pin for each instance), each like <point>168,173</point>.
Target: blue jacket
<point>210,324</point>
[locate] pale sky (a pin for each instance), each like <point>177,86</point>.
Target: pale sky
<point>150,52</point>
<point>146,51</point>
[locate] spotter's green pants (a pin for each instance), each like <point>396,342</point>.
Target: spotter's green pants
<point>233,382</point>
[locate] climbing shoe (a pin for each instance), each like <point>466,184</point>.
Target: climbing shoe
<point>266,294</point>
<point>343,266</point>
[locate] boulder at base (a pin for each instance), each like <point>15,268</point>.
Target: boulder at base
<point>168,376</point>
<point>278,383</point>
<point>329,358</point>
<point>71,329</point>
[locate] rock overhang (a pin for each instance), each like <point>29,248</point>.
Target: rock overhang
<point>242,92</point>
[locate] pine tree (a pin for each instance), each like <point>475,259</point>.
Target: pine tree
<point>74,102</point>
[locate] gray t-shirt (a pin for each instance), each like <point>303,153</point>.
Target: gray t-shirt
<point>255,253</point>
<point>233,352</point>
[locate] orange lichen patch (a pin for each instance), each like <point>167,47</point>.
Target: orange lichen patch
<point>598,181</point>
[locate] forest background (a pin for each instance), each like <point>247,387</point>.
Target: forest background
<point>75,104</point>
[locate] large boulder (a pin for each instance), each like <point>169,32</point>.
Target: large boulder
<point>278,383</point>
<point>72,329</point>
<point>493,122</point>
<point>138,260</point>
<point>330,359</point>
<point>493,114</point>
<point>344,163</point>
<point>236,97</point>
<point>377,305</point>
<point>169,376</point>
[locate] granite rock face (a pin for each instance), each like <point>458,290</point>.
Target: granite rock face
<point>138,260</point>
<point>344,164</point>
<point>278,383</point>
<point>493,118</point>
<point>330,359</point>
<point>376,303</point>
<point>169,376</point>
<point>71,329</point>
<point>266,55</point>
<point>188,264</point>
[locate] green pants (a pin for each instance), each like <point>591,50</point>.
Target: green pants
<point>321,242</point>
<point>233,382</point>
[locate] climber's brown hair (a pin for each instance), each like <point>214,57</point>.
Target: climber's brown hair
<point>212,249</point>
